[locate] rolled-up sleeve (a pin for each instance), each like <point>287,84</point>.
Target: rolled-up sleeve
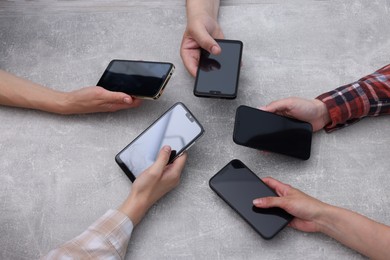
<point>369,96</point>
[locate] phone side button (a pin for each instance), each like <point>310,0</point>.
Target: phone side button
<point>188,148</point>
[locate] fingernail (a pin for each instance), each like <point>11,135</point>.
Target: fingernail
<point>214,49</point>
<point>257,201</point>
<point>127,100</point>
<point>262,108</point>
<point>167,148</point>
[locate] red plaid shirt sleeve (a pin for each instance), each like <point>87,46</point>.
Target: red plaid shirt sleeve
<point>107,238</point>
<point>369,96</point>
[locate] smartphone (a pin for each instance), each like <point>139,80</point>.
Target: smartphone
<point>263,130</point>
<point>218,75</point>
<point>238,186</point>
<point>141,79</point>
<point>177,128</point>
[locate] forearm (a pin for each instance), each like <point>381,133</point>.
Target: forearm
<point>360,233</point>
<point>200,7</point>
<point>18,92</point>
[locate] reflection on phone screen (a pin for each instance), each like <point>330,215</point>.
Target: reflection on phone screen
<point>136,78</point>
<point>239,186</point>
<point>267,131</point>
<point>218,74</point>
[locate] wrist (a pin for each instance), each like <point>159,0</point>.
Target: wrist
<point>63,103</point>
<point>199,18</point>
<point>325,218</point>
<point>323,112</point>
<point>53,102</point>
<point>134,208</point>
<point>196,9</point>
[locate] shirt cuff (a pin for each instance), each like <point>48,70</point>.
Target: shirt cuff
<point>116,228</point>
<point>346,105</point>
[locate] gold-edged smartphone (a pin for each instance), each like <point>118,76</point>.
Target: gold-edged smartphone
<point>140,79</point>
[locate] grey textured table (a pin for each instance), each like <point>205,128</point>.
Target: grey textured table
<point>58,174</point>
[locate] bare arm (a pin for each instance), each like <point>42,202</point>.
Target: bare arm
<point>18,92</point>
<point>360,233</point>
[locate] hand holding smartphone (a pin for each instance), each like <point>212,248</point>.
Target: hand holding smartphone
<point>263,130</point>
<point>218,75</point>
<point>141,79</point>
<point>177,128</point>
<point>238,186</point>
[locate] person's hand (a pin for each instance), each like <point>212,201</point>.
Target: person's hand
<point>201,31</point>
<point>307,210</point>
<point>153,184</point>
<point>97,99</point>
<point>312,111</point>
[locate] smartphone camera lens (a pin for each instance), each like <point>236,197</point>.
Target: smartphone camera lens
<point>188,115</point>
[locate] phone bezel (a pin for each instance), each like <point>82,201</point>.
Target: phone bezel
<point>210,93</point>
<point>159,91</point>
<point>123,166</point>
<point>256,228</point>
<point>304,126</point>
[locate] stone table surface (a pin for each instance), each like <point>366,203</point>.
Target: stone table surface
<point>58,174</point>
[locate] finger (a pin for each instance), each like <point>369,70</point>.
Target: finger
<point>180,162</point>
<point>271,182</point>
<point>220,35</point>
<point>112,107</point>
<point>191,62</point>
<point>136,102</point>
<point>115,97</point>
<point>190,53</point>
<point>204,39</point>
<point>162,159</point>
<point>277,106</point>
<point>123,98</point>
<point>173,171</point>
<point>268,202</point>
<point>280,188</point>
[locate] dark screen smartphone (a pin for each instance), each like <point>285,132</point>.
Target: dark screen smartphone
<point>238,186</point>
<point>262,130</point>
<point>218,75</point>
<point>177,128</point>
<point>141,79</point>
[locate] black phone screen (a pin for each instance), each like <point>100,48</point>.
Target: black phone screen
<point>136,78</point>
<point>267,131</point>
<point>218,75</point>
<point>177,128</point>
<point>238,186</point>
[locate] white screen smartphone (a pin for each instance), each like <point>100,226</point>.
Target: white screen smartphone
<point>177,128</point>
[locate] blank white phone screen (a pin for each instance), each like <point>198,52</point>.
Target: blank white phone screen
<point>177,128</point>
